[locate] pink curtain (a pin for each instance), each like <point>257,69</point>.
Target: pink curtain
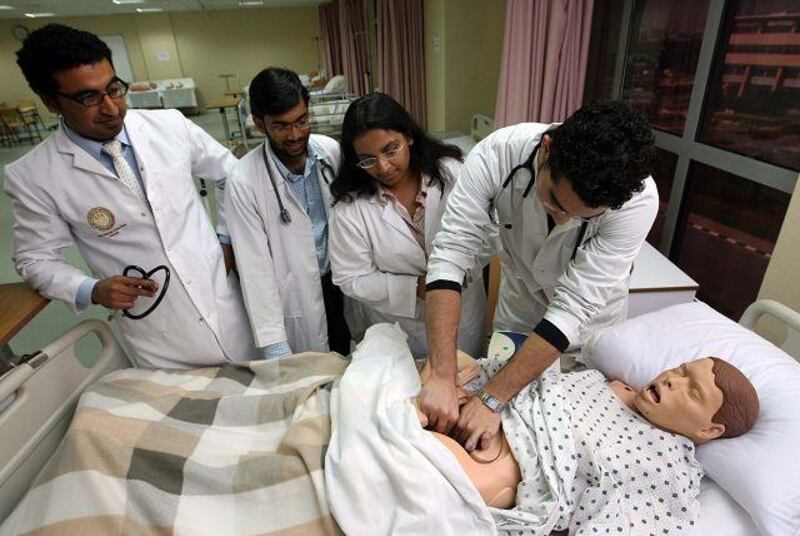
<point>354,44</point>
<point>543,69</point>
<point>401,54</point>
<point>330,38</point>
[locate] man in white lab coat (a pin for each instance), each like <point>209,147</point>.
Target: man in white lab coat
<point>574,203</point>
<point>118,184</point>
<point>277,204</point>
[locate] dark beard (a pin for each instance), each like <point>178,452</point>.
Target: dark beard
<point>282,155</point>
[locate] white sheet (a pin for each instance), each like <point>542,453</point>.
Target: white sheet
<point>384,474</point>
<point>720,515</point>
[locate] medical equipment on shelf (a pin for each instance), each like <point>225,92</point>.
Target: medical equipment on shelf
<point>328,175</point>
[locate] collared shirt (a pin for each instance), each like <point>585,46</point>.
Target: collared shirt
<point>307,190</point>
<point>95,149</point>
<point>83,298</point>
<point>415,223</point>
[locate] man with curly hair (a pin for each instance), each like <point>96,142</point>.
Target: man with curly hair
<point>119,185</point>
<point>567,251</point>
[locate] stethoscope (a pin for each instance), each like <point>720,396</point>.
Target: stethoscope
<point>135,271</point>
<point>528,164</point>
<point>328,175</point>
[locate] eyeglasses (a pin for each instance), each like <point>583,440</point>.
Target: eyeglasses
<point>115,90</point>
<point>560,209</point>
<point>554,204</point>
<point>283,128</point>
<point>372,161</point>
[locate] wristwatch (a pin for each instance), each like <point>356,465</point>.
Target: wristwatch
<point>491,402</point>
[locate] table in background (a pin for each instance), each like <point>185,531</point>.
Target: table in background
<point>19,303</point>
<point>223,105</point>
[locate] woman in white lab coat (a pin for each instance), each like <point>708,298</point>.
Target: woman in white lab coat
<point>389,197</point>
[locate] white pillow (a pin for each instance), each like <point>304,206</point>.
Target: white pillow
<point>761,469</point>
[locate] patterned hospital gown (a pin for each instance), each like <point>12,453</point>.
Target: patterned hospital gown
<point>593,466</point>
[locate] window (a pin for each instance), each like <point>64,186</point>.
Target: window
<point>663,173</point>
<point>726,234</point>
<point>754,100</point>
<point>662,58</point>
<point>720,83</point>
<point>603,50</point>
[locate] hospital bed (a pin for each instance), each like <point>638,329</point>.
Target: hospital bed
<point>39,397</point>
<point>480,127</point>
<point>326,110</point>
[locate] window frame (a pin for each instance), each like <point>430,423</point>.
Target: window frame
<point>686,146</point>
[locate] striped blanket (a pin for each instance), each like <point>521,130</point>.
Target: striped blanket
<point>233,450</point>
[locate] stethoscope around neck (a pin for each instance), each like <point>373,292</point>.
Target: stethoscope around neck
<point>528,164</point>
<point>327,175</point>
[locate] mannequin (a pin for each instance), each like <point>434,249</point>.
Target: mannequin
<point>493,471</point>
<point>694,400</point>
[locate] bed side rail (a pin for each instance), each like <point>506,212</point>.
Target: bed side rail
<point>786,315</point>
<point>38,397</point>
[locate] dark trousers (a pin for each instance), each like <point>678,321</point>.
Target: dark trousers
<point>338,332</point>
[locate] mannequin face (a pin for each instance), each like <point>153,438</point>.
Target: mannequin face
<point>684,400</point>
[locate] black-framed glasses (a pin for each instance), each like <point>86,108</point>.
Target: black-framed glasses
<point>115,90</point>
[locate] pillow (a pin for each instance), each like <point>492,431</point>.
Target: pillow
<point>761,469</point>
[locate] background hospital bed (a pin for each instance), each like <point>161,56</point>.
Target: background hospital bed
<point>47,387</point>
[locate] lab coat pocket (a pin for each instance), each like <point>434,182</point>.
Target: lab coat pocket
<point>178,185</point>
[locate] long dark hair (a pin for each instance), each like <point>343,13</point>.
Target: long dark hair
<point>380,111</point>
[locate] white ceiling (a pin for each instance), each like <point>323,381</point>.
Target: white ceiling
<point>72,8</point>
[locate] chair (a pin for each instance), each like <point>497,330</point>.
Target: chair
<point>5,135</point>
<point>16,129</point>
<point>30,115</point>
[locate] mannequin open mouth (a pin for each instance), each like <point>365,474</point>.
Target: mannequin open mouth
<point>654,394</point>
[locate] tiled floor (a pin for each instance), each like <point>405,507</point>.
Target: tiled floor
<point>56,317</point>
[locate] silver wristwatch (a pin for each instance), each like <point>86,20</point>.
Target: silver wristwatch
<point>491,402</point>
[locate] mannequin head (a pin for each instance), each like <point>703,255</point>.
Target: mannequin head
<point>702,400</point>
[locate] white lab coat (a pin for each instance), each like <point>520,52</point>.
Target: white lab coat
<point>376,260</point>
<point>278,262</point>
<point>201,320</point>
<point>538,278</point>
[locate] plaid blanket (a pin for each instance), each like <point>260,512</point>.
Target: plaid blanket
<point>225,451</point>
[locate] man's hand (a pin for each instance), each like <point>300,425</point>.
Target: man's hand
<point>230,258</point>
<point>421,287</point>
<point>438,400</point>
<point>477,423</point>
<point>120,292</point>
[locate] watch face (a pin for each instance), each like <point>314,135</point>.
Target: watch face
<point>20,32</point>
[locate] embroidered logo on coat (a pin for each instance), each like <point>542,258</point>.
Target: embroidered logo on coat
<point>100,218</point>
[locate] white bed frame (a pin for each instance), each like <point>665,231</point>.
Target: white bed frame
<point>46,389</point>
<point>789,317</point>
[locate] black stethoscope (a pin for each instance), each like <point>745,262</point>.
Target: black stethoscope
<point>528,165</point>
<point>328,175</point>
<point>136,271</point>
